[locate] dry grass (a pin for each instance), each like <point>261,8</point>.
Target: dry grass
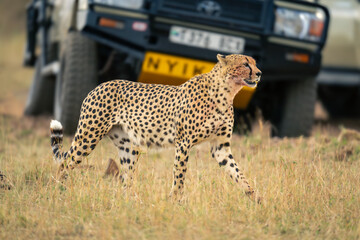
<point>311,186</point>
<point>311,189</point>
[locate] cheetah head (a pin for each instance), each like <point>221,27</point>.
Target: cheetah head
<point>239,70</point>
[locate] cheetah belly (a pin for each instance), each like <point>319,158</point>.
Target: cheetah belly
<point>123,133</point>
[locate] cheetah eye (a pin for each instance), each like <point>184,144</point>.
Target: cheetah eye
<point>247,65</point>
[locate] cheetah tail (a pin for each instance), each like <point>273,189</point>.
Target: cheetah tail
<point>56,138</point>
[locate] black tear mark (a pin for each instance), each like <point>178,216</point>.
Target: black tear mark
<point>250,72</point>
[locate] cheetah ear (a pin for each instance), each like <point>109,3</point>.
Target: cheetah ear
<point>221,59</point>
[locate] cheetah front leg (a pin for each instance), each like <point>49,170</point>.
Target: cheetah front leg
<point>220,150</point>
<point>179,170</point>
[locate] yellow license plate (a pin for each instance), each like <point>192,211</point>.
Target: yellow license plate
<point>172,70</point>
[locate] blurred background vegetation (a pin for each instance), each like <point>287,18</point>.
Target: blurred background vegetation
<point>14,78</point>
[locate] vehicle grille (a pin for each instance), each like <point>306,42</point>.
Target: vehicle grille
<point>232,11</point>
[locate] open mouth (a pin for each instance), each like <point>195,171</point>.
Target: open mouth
<point>251,83</point>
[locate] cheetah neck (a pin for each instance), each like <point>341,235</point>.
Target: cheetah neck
<point>219,92</point>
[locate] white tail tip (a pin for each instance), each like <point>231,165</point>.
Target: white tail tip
<point>56,125</point>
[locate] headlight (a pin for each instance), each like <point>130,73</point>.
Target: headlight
<point>132,4</point>
<point>299,24</point>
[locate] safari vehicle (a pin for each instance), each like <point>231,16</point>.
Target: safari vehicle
<point>339,78</point>
<point>77,44</point>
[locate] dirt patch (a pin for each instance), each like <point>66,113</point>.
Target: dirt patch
<point>21,126</point>
<point>12,105</point>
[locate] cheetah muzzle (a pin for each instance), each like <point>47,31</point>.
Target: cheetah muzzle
<point>136,115</point>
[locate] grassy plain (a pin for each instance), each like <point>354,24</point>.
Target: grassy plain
<point>310,186</point>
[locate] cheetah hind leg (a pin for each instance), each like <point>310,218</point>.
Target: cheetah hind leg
<point>128,154</point>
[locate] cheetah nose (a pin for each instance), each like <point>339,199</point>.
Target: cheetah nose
<point>258,74</point>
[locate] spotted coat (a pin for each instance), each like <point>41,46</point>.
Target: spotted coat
<point>135,115</point>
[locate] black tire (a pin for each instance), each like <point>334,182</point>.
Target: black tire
<point>77,77</point>
<point>297,113</point>
<point>41,94</point>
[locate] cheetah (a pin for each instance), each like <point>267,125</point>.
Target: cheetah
<point>135,115</point>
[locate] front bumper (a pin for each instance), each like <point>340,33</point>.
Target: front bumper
<point>272,53</point>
